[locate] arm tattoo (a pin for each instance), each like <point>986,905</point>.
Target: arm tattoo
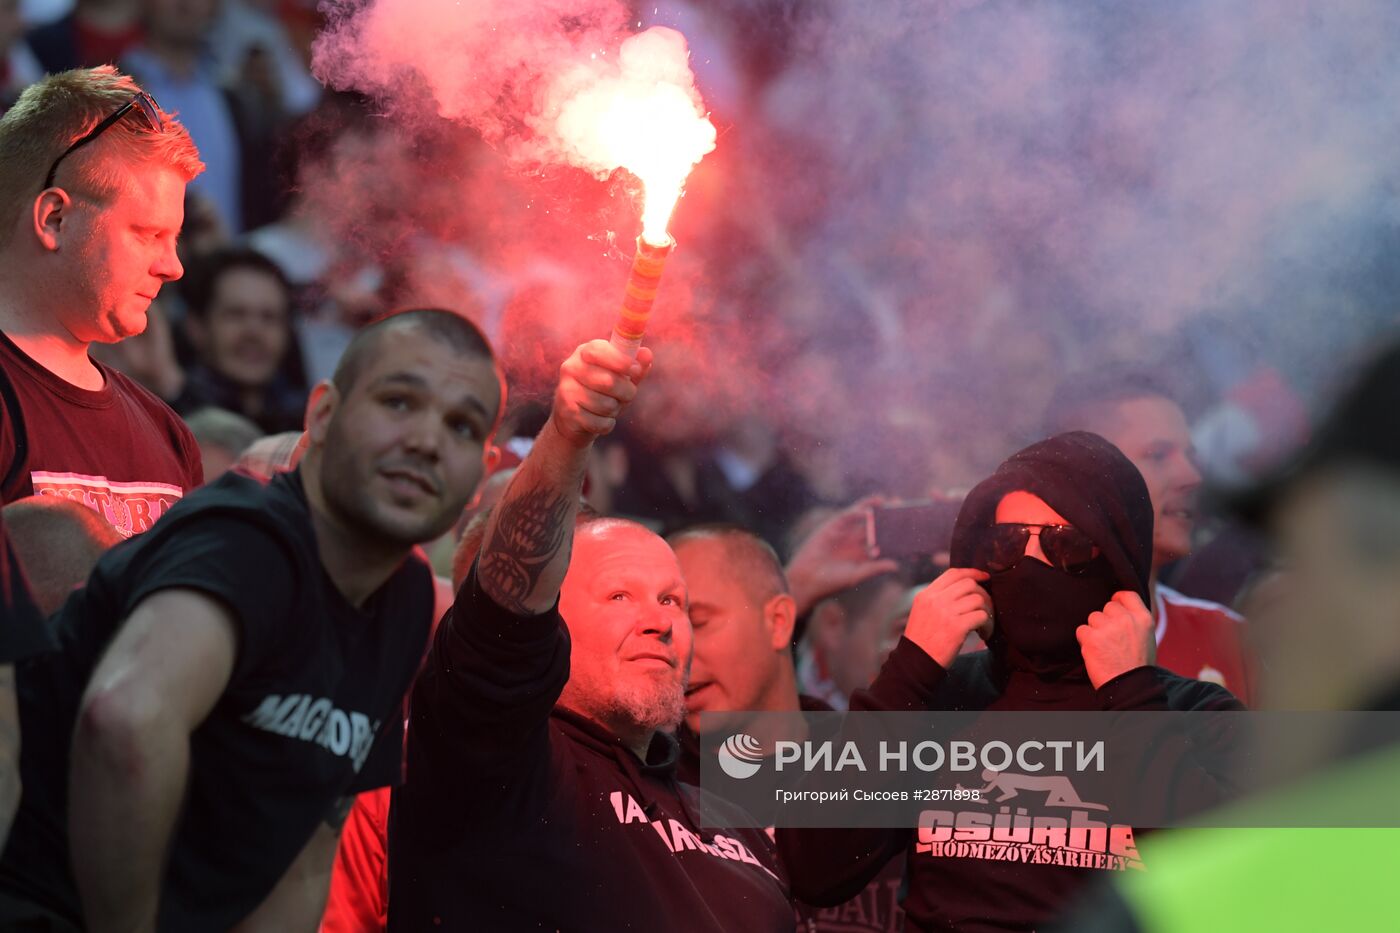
<point>339,812</point>
<point>530,532</point>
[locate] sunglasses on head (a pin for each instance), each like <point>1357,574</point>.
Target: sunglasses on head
<point>1065,547</point>
<point>142,103</point>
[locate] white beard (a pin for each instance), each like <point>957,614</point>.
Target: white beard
<point>657,706</point>
<point>652,704</point>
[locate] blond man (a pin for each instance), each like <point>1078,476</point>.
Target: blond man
<point>92,188</point>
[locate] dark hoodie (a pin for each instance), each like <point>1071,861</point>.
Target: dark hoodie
<point>519,815</point>
<point>1033,663</point>
<point>873,909</point>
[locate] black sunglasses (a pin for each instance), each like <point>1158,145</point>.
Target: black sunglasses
<point>1065,547</point>
<point>141,102</point>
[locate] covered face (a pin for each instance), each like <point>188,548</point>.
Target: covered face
<point>1048,587</point>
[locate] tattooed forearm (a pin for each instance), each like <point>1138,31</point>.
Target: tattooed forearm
<point>530,531</point>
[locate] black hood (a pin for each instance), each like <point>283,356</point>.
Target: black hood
<point>1088,481</point>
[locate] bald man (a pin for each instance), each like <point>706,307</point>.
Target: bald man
<point>742,616</point>
<point>541,789</point>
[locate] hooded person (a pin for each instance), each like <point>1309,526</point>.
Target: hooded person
<point>1095,520</point>
<point>1051,557</point>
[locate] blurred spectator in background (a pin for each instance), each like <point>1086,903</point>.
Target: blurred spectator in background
<point>252,47</point>
<point>233,127</point>
<point>1251,415</point>
<point>850,607</point>
<point>173,64</point>
<point>238,319</point>
<point>58,543</point>
<point>850,635</point>
<point>1332,643</point>
<point>18,65</point>
<point>205,232</point>
<point>1139,415</point>
<point>754,464</point>
<point>94,32</point>
<point>295,240</point>
<point>336,290</point>
<point>72,274</point>
<point>222,437</point>
<point>693,458</point>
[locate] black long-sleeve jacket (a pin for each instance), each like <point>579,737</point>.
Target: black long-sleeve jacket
<point>520,815</point>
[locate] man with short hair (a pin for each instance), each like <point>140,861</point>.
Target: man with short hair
<point>229,678</point>
<point>743,619</point>
<point>541,789</point>
<point>742,616</point>
<point>92,186</point>
<point>1139,415</point>
<point>240,322</point>
<point>58,542</point>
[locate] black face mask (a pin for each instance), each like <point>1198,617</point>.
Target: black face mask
<point>1038,609</point>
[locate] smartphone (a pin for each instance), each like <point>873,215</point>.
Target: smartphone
<point>918,529</point>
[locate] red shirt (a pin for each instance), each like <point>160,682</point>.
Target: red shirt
<point>1203,640</point>
<point>118,450</point>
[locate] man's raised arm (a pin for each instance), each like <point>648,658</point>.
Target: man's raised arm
<point>526,550</point>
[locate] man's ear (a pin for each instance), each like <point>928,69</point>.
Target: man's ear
<point>781,613</point>
<point>324,400</point>
<point>50,213</point>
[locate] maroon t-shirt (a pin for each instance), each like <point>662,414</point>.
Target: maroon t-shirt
<point>118,450</point>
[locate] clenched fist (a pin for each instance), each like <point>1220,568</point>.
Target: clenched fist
<point>1119,639</point>
<point>947,610</point>
<point>595,384</point>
